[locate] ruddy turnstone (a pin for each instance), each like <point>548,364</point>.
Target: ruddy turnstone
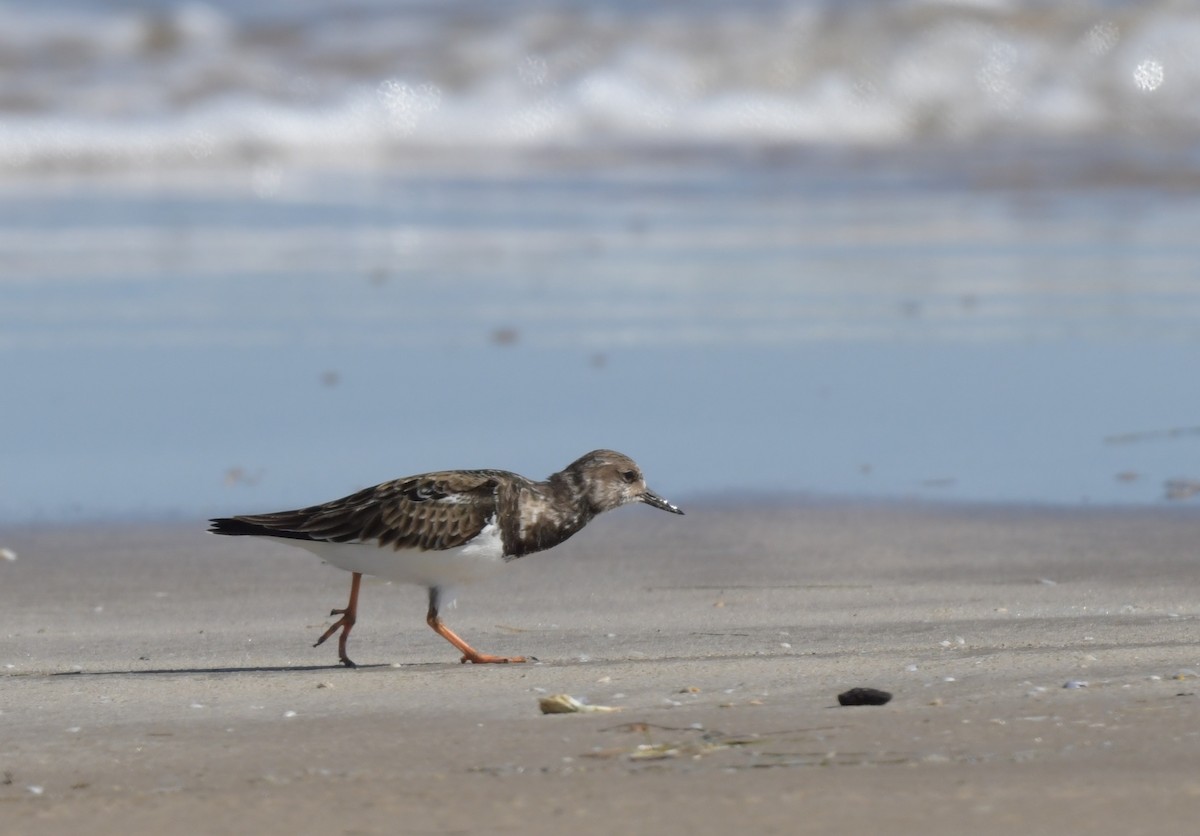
<point>440,530</point>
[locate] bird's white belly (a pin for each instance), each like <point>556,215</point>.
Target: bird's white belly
<point>474,561</point>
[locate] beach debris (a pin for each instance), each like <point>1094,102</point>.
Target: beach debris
<point>864,696</point>
<point>1180,489</point>
<point>655,751</point>
<point>238,475</point>
<point>1075,683</point>
<point>566,704</point>
<point>509,628</point>
<point>665,751</point>
<point>939,482</point>
<point>690,746</point>
<point>1185,673</point>
<point>505,336</point>
<point>8,555</point>
<point>1152,435</point>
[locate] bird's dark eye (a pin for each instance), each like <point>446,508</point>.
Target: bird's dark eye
<point>629,475</point>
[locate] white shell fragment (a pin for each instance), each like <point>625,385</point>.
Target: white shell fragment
<point>8,554</point>
<point>566,704</point>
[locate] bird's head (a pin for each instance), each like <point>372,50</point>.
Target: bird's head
<point>608,480</point>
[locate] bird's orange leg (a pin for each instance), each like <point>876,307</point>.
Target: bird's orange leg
<point>469,653</point>
<point>348,617</point>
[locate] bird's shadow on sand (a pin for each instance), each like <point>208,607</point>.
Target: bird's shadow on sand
<point>382,666</point>
<point>242,670</point>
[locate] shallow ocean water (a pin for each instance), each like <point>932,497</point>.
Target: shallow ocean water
<point>198,315</point>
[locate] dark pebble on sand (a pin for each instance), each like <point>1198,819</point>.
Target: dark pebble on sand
<point>864,696</point>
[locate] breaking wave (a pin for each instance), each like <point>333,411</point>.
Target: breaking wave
<point>165,84</point>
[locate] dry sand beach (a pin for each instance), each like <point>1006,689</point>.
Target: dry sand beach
<point>156,679</point>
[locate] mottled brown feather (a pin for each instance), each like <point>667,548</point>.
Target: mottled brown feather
<point>431,511</point>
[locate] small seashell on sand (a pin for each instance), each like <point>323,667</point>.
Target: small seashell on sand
<point>566,704</point>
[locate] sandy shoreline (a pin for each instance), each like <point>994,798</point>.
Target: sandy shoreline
<point>156,679</point>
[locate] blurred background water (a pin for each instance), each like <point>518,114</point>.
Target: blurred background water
<point>259,255</point>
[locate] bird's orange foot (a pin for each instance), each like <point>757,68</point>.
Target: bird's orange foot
<point>489,659</point>
<point>344,624</point>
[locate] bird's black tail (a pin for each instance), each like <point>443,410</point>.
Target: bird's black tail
<point>238,526</point>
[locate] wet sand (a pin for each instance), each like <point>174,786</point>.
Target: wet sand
<point>158,679</point>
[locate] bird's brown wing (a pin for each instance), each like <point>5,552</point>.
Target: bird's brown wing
<point>431,511</point>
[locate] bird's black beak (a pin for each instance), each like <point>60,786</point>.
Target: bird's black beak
<point>655,501</point>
